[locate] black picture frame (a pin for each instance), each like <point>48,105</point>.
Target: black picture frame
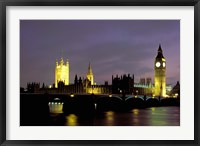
<point>5,3</point>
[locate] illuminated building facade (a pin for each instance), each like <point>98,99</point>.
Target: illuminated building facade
<point>80,86</point>
<point>123,84</point>
<point>144,87</point>
<point>160,74</point>
<point>99,89</point>
<point>62,72</point>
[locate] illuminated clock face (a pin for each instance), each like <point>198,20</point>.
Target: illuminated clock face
<point>157,64</point>
<point>163,64</point>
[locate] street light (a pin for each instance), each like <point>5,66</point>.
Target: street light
<point>136,93</point>
<point>176,95</point>
<point>72,95</point>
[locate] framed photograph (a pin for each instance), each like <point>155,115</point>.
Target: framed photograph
<point>99,72</point>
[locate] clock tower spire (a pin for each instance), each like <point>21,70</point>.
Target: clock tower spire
<point>160,74</point>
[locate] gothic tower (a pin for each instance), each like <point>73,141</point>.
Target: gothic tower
<point>90,75</point>
<point>62,72</point>
<point>160,74</point>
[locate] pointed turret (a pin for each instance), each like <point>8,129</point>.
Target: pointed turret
<point>160,52</point>
<point>80,80</point>
<point>160,49</point>
<point>90,76</point>
<point>90,70</point>
<point>76,80</point>
<point>61,61</point>
<point>67,62</point>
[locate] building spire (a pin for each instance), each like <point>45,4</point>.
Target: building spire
<point>160,49</point>
<point>90,76</point>
<point>90,69</point>
<point>61,61</point>
<point>76,80</point>
<point>160,53</point>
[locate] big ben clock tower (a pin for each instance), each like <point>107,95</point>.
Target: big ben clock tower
<point>160,74</point>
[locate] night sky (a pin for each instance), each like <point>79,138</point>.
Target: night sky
<point>111,46</point>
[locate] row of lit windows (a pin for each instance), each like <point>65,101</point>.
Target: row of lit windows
<point>55,103</point>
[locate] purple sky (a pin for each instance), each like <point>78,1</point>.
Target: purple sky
<point>112,47</point>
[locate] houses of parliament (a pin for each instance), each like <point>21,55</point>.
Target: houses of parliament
<point>121,84</point>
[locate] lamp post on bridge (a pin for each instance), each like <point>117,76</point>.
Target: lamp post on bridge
<point>136,93</point>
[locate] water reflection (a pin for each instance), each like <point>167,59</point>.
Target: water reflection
<point>153,109</point>
<point>158,117</point>
<point>155,116</point>
<point>71,120</point>
<point>135,116</point>
<point>135,111</point>
<point>165,116</point>
<point>109,118</point>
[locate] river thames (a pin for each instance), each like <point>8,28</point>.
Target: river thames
<point>153,116</point>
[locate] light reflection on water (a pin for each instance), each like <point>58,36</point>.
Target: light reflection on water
<point>135,118</point>
<point>109,118</point>
<point>155,116</point>
<point>71,120</point>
